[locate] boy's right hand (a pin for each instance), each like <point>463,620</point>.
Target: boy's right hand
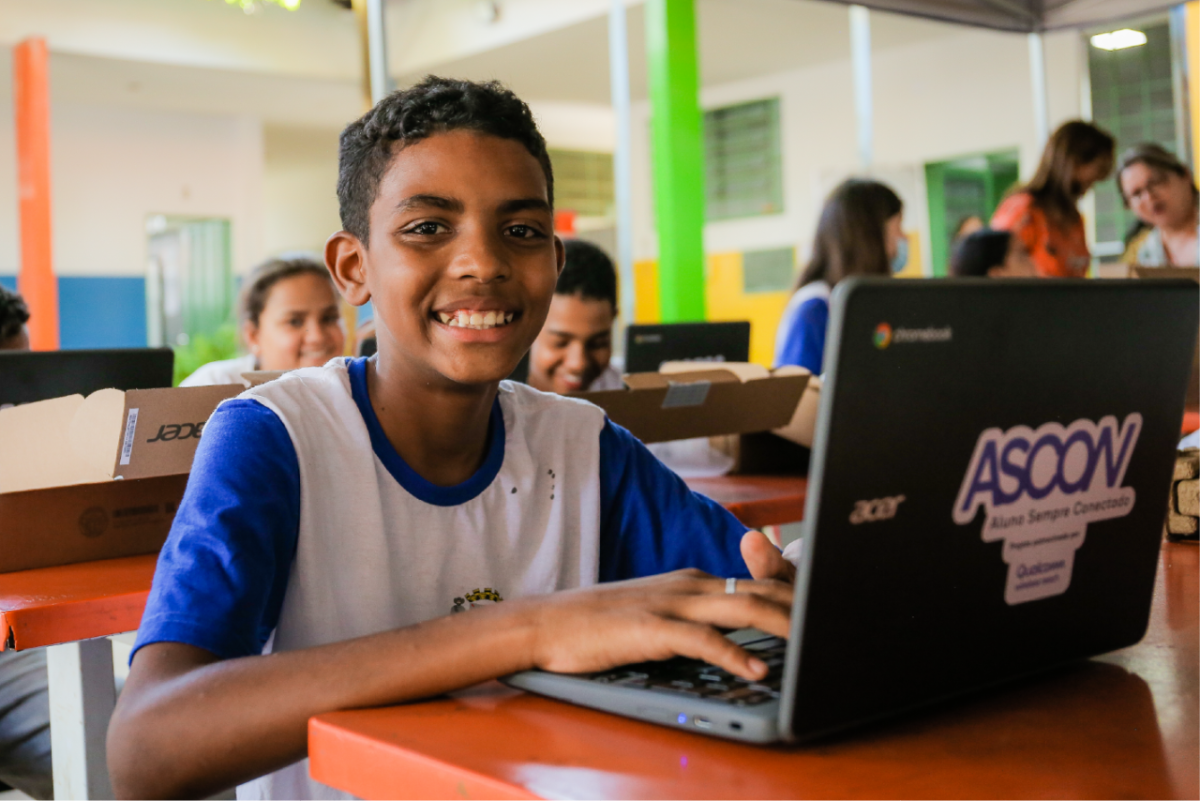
<point>655,618</point>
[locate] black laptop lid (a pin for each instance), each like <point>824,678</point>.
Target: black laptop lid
<point>648,346</point>
<point>937,394</point>
<point>26,376</point>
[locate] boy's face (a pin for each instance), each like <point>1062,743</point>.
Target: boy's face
<point>574,346</point>
<point>462,258</point>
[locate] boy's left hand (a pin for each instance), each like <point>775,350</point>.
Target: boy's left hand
<point>764,560</point>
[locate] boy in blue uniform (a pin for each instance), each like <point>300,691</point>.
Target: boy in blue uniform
<point>336,518</point>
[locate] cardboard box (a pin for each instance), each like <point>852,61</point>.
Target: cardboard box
<point>682,401</point>
<point>99,478</point>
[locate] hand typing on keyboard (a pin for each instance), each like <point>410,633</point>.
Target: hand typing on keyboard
<point>656,618</point>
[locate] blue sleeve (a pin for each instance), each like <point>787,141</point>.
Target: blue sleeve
<point>650,522</point>
<point>222,573</point>
<point>805,343</point>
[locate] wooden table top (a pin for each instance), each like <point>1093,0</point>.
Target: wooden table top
<point>1122,725</point>
<point>53,605</point>
<point>757,501</point>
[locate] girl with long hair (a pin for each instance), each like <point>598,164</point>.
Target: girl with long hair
<point>1043,213</point>
<point>859,233</point>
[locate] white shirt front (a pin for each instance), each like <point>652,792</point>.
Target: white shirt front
<point>226,371</point>
<point>378,550</point>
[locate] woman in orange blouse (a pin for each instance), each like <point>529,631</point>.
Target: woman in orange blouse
<point>1043,212</point>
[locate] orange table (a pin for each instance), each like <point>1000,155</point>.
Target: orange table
<point>1122,725</point>
<point>1191,422</point>
<point>73,609</point>
<point>757,501</point>
<point>55,605</point>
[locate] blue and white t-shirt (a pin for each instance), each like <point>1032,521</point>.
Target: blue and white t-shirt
<point>301,524</point>
<point>800,338</point>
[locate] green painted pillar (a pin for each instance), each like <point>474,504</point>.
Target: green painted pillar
<point>677,148</point>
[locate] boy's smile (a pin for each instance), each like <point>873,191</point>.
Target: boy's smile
<point>461,260</point>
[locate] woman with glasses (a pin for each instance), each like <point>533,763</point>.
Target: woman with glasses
<point>1160,190</point>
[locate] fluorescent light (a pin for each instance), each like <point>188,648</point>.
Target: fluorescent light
<point>1119,40</point>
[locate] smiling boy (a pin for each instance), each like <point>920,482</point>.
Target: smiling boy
<point>337,517</point>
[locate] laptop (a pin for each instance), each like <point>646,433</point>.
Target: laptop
<point>985,501</point>
<point>27,376</point>
<point>648,346</point>
<point>1193,274</point>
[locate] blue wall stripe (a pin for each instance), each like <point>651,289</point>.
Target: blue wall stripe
<point>98,311</point>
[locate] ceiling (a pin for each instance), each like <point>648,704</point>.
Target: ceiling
<point>301,68</point>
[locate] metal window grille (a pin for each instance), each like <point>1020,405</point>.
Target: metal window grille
<point>743,165</point>
<point>583,182</point>
<point>1133,99</point>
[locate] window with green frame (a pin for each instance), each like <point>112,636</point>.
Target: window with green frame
<point>971,186</point>
<point>1133,99</point>
<point>743,173</point>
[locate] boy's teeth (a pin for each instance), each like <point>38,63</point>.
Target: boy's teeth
<point>477,320</point>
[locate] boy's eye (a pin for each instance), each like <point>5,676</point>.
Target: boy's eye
<point>524,232</point>
<point>425,229</point>
<point>296,322</point>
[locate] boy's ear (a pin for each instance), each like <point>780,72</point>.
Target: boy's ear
<point>346,259</point>
<point>560,254</point>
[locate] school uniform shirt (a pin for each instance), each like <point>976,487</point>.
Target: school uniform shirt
<point>611,377</point>
<point>800,338</point>
<point>226,371</point>
<point>301,525</point>
<point>1147,250</point>
<point>1057,251</point>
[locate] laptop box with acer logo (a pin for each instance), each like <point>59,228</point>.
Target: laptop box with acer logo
<point>96,478</point>
<point>985,501</point>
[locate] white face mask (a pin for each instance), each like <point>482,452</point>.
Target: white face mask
<point>900,260</point>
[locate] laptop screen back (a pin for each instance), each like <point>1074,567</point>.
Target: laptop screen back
<point>26,376</point>
<point>648,346</point>
<point>990,481</point>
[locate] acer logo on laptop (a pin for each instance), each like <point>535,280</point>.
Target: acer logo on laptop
<point>878,509</point>
<point>1040,488</point>
<point>173,431</point>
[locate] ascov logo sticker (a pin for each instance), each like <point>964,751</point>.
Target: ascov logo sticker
<point>1040,489</point>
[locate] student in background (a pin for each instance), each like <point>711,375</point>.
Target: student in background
<point>290,319</point>
<point>335,519</point>
<point>991,254</point>
<point>1160,190</point>
<point>860,233</point>
<point>14,335</point>
<point>1044,214</point>
<point>24,691</point>
<point>573,352</point>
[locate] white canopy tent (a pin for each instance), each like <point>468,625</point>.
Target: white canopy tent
<point>1023,16</point>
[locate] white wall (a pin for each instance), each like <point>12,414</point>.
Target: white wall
<point>111,168</point>
<point>299,189</point>
<point>962,93</point>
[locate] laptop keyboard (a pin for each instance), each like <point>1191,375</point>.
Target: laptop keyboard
<point>682,676</point>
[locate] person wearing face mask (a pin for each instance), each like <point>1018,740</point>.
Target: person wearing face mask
<point>1043,213</point>
<point>290,319</point>
<point>573,352</point>
<point>991,254</point>
<point>859,233</point>
<point>1160,190</point>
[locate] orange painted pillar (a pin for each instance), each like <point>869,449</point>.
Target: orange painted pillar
<point>36,281</point>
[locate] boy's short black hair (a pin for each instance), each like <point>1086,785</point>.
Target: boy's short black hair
<point>13,314</point>
<point>588,272</point>
<point>435,105</point>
